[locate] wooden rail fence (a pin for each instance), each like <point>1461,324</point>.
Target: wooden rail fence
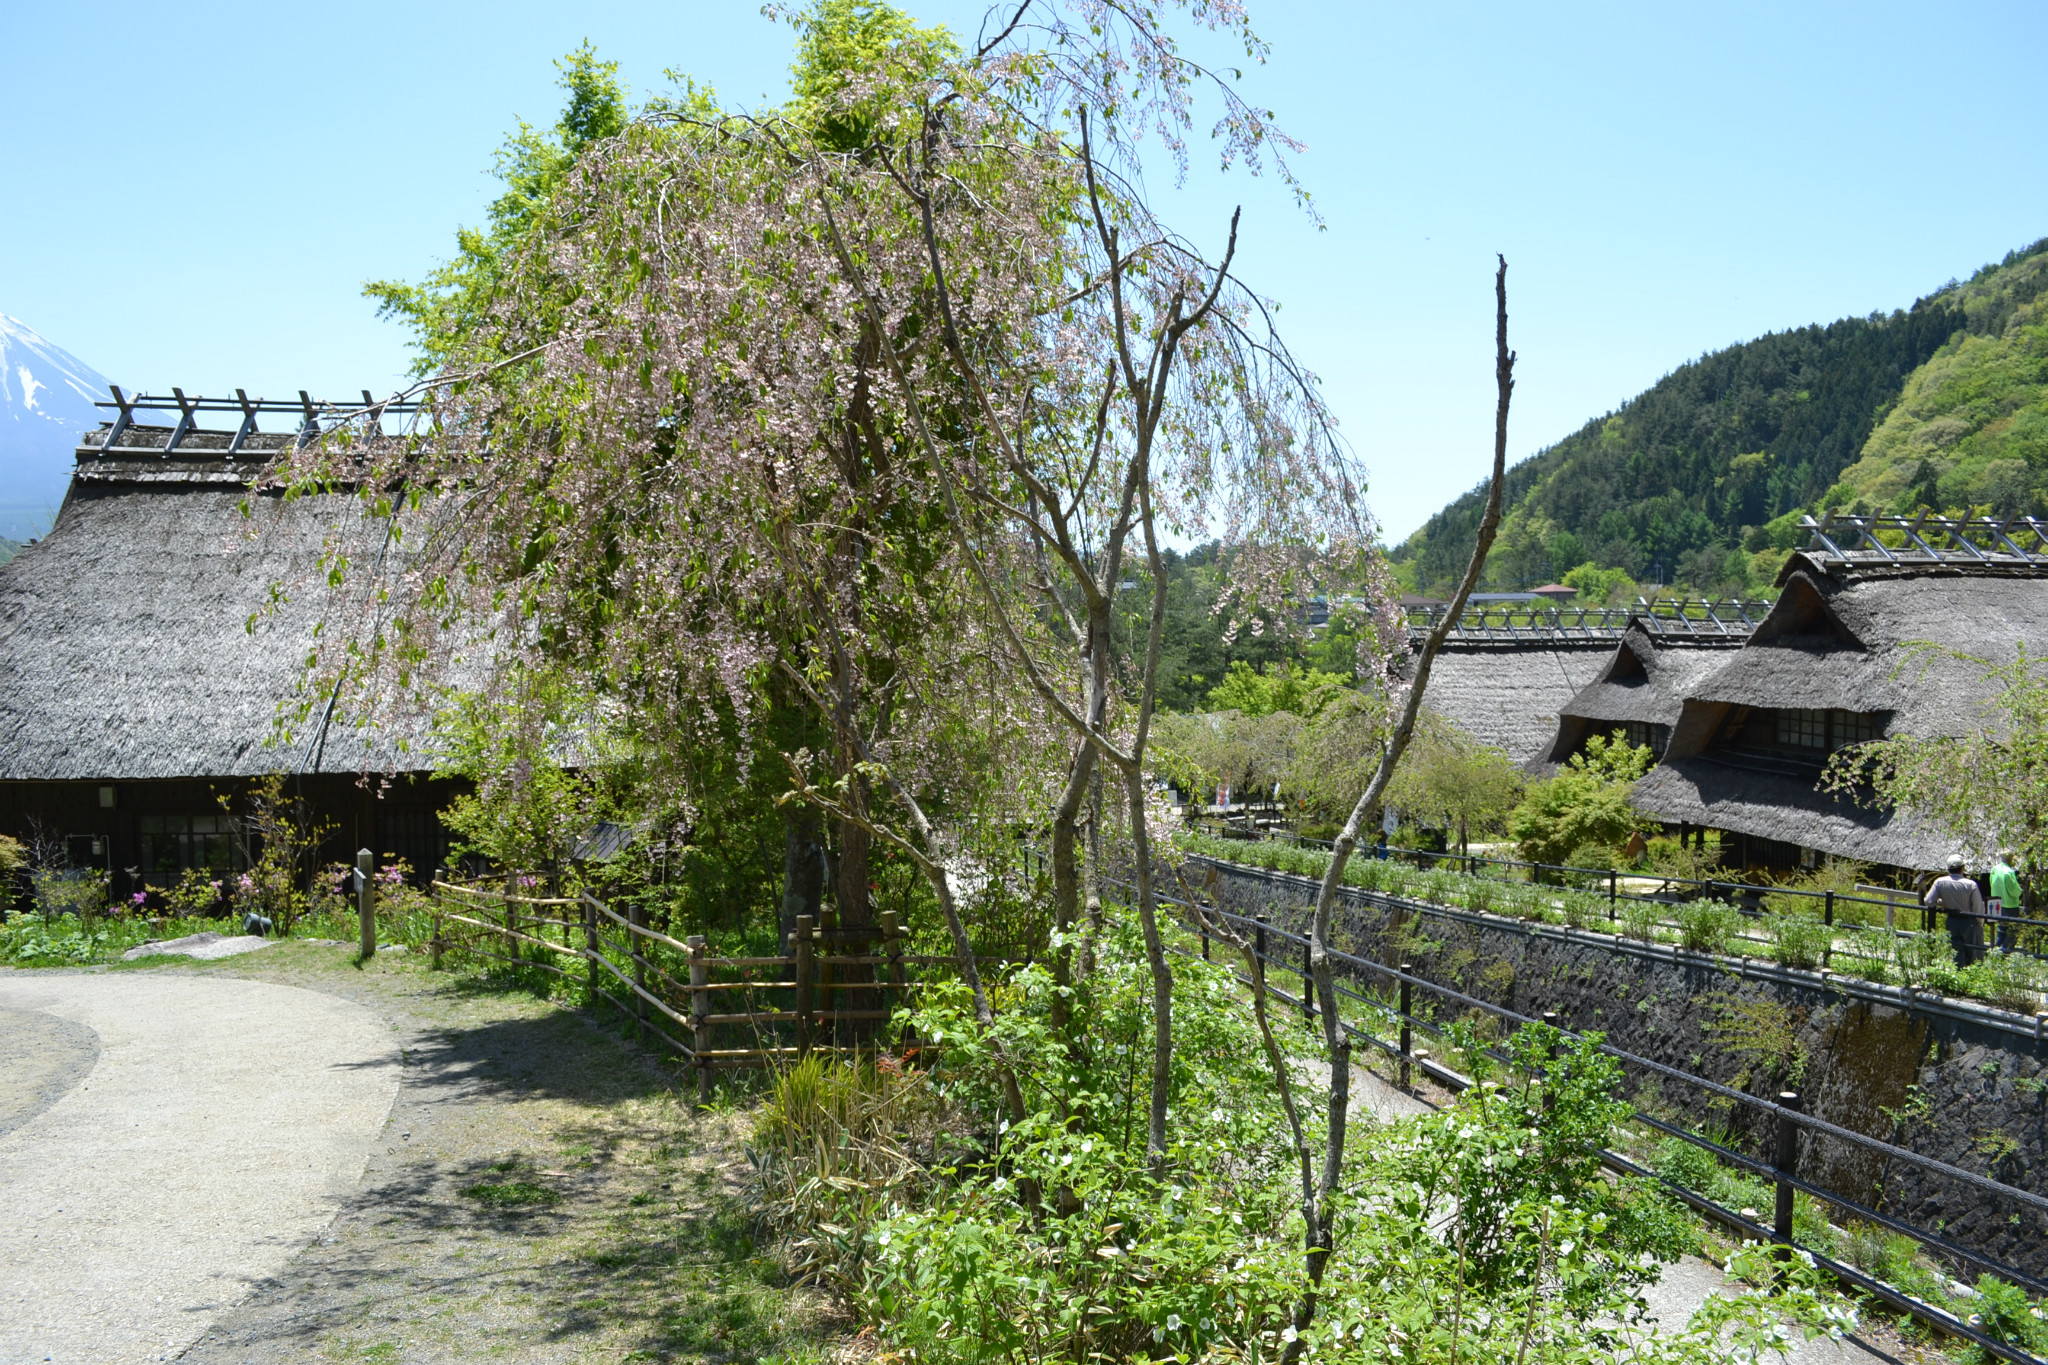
<point>783,1006</point>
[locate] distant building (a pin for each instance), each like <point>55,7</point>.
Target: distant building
<point>1556,592</point>
<point>1508,693</point>
<point>142,669</point>
<point>1838,661</point>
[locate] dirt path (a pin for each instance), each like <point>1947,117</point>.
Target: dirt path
<point>176,1142</point>
<point>537,1194</point>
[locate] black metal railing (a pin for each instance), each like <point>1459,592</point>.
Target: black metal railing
<point>1673,888</point>
<point>1273,945</point>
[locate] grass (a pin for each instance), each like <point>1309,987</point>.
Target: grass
<point>512,1194</point>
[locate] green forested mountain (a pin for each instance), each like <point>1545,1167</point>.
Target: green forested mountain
<point>1700,479</point>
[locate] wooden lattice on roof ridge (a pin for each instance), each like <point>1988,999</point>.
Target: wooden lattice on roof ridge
<point>1849,540</point>
<point>1670,619</point>
<point>124,438</point>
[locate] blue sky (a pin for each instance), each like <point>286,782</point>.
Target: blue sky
<point>194,195</point>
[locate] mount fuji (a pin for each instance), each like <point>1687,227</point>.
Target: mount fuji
<point>46,404</point>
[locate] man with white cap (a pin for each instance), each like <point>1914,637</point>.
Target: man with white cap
<point>1963,901</point>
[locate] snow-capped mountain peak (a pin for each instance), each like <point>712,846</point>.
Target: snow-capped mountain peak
<point>46,404</point>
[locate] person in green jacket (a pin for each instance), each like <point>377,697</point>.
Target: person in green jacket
<point>2005,889</point>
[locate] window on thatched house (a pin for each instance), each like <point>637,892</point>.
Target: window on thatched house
<point>173,843</point>
<point>1637,733</point>
<point>1809,732</point>
<point>1801,728</point>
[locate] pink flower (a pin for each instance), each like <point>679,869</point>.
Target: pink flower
<point>139,898</point>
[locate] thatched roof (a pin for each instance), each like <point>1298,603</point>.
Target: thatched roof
<point>133,640</point>
<point>1730,794</point>
<point>1509,695</point>
<point>1856,638</point>
<point>1645,680</point>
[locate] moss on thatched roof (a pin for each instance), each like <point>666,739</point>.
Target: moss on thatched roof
<point>133,639</point>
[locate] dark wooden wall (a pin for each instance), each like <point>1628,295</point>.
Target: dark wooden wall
<point>399,819</point>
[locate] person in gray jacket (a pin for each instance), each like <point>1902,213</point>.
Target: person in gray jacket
<point>1963,901</point>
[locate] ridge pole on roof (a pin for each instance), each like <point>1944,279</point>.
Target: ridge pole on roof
<point>1955,528</point>
<point>248,426</point>
<point>187,420</point>
<point>1864,527</point>
<point>311,428</point>
<point>127,415</point>
<point>1820,533</point>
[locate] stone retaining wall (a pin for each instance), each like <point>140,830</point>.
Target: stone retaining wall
<point>1953,1081</point>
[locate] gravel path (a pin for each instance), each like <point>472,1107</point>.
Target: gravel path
<point>179,1140</point>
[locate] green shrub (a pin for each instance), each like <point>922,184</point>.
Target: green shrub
<point>1639,919</point>
<point>2011,981</point>
<point>1583,908</point>
<point>1682,1163</point>
<point>1798,938</point>
<point>1922,960</point>
<point>2005,1313</point>
<point>1706,926</point>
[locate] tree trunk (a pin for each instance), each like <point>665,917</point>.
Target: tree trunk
<point>803,882</point>
<point>1319,1236</point>
<point>1162,972</point>
<point>1066,875</point>
<point>856,912</point>
<point>1091,875</point>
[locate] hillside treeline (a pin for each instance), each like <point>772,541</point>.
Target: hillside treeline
<point>1700,480</point>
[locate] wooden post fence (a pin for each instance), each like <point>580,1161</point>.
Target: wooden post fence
<point>366,900</point>
<point>800,949</point>
<point>700,1010</point>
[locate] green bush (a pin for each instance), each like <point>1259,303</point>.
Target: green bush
<point>2011,981</point>
<point>1050,1237</point>
<point>1922,960</point>
<point>1798,938</point>
<point>1706,926</point>
<point>1682,1163</point>
<point>2005,1313</point>
<point>1639,919</point>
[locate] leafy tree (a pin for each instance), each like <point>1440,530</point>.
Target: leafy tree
<point>535,753</point>
<point>1451,781</point>
<point>1600,587</point>
<point>1249,751</point>
<point>1276,687</point>
<point>1585,806</point>
<point>1335,754</point>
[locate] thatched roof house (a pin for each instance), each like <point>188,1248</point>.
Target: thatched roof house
<point>1638,692</point>
<point>144,662</point>
<point>1836,662</point>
